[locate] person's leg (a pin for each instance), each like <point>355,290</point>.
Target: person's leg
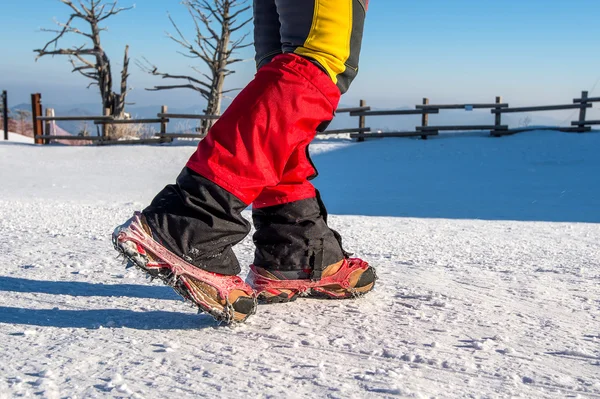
<point>267,39</point>
<point>196,221</point>
<point>191,226</point>
<point>293,240</point>
<point>261,150</point>
<point>185,237</point>
<point>196,218</point>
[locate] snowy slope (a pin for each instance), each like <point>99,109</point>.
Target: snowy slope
<point>479,308</point>
<point>16,138</point>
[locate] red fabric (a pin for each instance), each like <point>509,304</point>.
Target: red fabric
<point>257,149</point>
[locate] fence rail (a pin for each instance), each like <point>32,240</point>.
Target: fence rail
<point>349,130</point>
<point>187,116</point>
<point>583,123</point>
<point>355,109</point>
<point>396,112</point>
<point>541,108</point>
<point>394,134</point>
<point>509,132</point>
<point>74,118</point>
<point>587,100</point>
<point>53,137</point>
<point>361,132</point>
<point>461,127</point>
<point>129,121</point>
<point>462,106</point>
<point>180,135</point>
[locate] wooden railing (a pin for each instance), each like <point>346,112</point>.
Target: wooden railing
<point>497,129</point>
<point>361,132</point>
<point>42,133</point>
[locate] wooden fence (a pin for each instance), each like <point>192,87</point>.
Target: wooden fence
<point>497,129</point>
<point>42,125</point>
<point>5,113</point>
<point>362,132</point>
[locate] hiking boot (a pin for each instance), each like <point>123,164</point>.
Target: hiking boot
<point>349,278</point>
<point>227,298</point>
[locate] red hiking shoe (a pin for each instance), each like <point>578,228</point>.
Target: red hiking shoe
<point>227,298</point>
<point>348,278</point>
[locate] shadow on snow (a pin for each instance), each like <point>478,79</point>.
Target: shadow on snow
<point>113,318</point>
<point>77,288</point>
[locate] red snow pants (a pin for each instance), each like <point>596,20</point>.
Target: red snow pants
<point>257,149</point>
<point>307,54</point>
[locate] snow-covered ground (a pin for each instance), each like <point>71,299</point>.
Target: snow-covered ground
<point>508,305</point>
<point>15,138</point>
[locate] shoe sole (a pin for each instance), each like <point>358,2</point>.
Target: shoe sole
<point>270,296</point>
<point>181,278</point>
<point>315,293</point>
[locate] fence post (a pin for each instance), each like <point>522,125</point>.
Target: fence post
<point>498,118</point>
<point>362,122</point>
<point>48,128</point>
<point>163,125</point>
<point>36,111</point>
<point>105,127</point>
<point>582,111</point>
<point>425,117</point>
<point>5,113</point>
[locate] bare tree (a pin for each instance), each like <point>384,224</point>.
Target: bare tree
<point>23,115</point>
<point>216,21</point>
<point>90,59</point>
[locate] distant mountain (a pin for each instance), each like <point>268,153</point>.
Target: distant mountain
<point>23,106</point>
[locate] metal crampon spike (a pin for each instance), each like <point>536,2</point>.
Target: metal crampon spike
<point>171,280</point>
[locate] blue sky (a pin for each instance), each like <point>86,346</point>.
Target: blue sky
<point>530,52</point>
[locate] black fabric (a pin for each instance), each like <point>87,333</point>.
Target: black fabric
<point>358,22</point>
<point>295,237</point>
<point>324,214</point>
<point>281,26</point>
<point>200,222</point>
<point>267,40</point>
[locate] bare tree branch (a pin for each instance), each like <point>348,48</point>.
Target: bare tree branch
<point>98,70</point>
<point>230,90</point>
<point>113,11</point>
<point>70,4</point>
<point>70,52</point>
<point>153,70</point>
<point>238,12</point>
<point>85,62</point>
<point>190,86</point>
<point>215,21</point>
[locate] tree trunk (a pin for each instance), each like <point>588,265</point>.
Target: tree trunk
<point>215,99</point>
<point>118,109</point>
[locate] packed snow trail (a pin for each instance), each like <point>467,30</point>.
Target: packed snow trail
<point>462,308</point>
